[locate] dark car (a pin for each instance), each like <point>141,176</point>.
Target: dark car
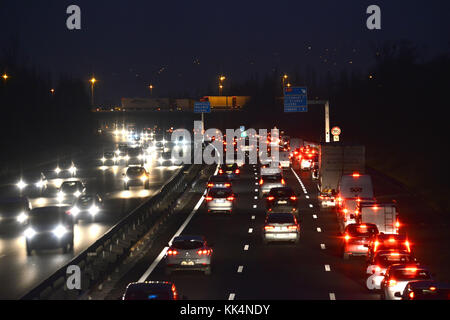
<point>136,176</point>
<point>231,170</point>
<point>151,290</point>
<point>49,227</point>
<point>426,290</point>
<point>357,237</point>
<point>283,197</point>
<point>87,207</point>
<point>219,181</point>
<point>14,211</point>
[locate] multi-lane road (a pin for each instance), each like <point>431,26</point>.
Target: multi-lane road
<point>20,273</point>
<point>244,268</point>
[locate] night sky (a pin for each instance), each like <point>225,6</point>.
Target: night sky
<point>182,46</point>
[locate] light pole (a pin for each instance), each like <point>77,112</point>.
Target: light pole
<point>93,81</point>
<point>221,80</point>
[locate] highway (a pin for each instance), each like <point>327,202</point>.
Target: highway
<point>20,273</point>
<point>243,268</point>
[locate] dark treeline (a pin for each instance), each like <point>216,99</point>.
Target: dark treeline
<point>35,119</point>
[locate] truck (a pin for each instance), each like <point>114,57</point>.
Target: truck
<point>383,215</point>
<point>336,160</point>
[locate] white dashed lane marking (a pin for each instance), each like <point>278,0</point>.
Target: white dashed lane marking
<point>255,206</point>
<point>327,267</point>
<point>240,268</point>
<point>231,296</point>
<point>332,296</point>
<point>314,216</point>
<point>322,246</point>
<point>310,205</point>
<point>253,217</point>
<point>250,230</point>
<point>319,230</point>
<point>246,247</point>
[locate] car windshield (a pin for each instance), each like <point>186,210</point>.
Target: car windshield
<point>187,244</point>
<point>386,260</point>
<point>220,193</point>
<point>65,164</point>
<point>411,274</point>
<point>135,171</point>
<point>280,218</point>
<point>46,216</point>
<point>219,179</point>
<point>356,230</point>
<point>70,186</point>
<point>85,199</point>
<point>281,193</point>
<point>273,178</point>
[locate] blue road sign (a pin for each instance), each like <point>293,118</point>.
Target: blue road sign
<point>295,99</point>
<point>202,107</point>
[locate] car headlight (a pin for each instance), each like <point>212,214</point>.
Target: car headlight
<point>21,184</point>
<point>73,169</point>
<point>127,157</point>
<point>94,210</point>
<point>57,170</point>
<point>60,194</point>
<point>126,179</point>
<point>161,160</point>
<point>29,233</point>
<point>143,178</point>
<point>40,184</point>
<point>140,157</point>
<point>59,231</point>
<point>22,217</point>
<point>103,159</point>
<point>77,193</point>
<point>74,211</point>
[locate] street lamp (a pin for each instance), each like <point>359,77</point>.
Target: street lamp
<point>284,78</point>
<point>221,80</point>
<point>52,91</point>
<point>93,81</point>
<point>151,89</point>
<point>288,85</point>
<point>5,76</point>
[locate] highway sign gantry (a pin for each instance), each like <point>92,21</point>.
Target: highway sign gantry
<point>295,99</point>
<point>202,107</point>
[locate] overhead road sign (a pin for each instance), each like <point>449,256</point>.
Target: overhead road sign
<point>295,99</point>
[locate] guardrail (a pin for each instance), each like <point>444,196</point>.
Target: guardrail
<point>101,257</point>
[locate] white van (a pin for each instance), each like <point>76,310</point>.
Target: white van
<point>352,189</point>
<point>285,161</point>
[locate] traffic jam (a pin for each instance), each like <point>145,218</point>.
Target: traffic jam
<point>370,231</point>
<point>47,205</point>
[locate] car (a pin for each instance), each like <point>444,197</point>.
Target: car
<point>357,237</point>
<point>266,183</point>
<point>71,189</point>
<point>282,197</point>
<point>109,158</point>
<point>165,159</point>
<point>327,198</point>
<point>281,227</point>
<point>397,277</point>
<point>135,176</point>
<point>378,265</point>
<point>66,168</point>
<point>34,183</point>
<point>49,227</point>
<point>220,200</point>
<point>315,171</point>
<point>383,241</point>
<point>14,211</point>
<point>151,290</point>
<point>188,252</point>
<point>285,161</point>
<point>87,207</point>
<point>230,169</point>
<point>426,290</point>
<point>122,151</point>
<point>219,181</point>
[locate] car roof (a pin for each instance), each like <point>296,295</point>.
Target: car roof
<point>189,237</point>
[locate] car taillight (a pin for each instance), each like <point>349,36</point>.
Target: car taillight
<point>267,228</point>
<point>220,171</point>
<point>397,224</point>
<point>377,269</point>
<point>392,283</point>
<point>347,237</point>
<point>293,198</point>
<point>230,198</point>
<point>411,295</point>
<point>375,246</point>
<point>237,171</point>
<point>407,245</point>
<point>292,227</point>
<point>203,252</point>
<point>210,185</point>
<point>270,198</point>
<point>172,252</point>
<point>345,211</point>
<point>356,175</point>
<point>227,185</point>
<point>208,198</point>
<point>261,181</point>
<point>282,181</point>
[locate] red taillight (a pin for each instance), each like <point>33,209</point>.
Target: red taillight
<point>208,198</point>
<point>230,198</point>
<point>375,246</point>
<point>237,171</point>
<point>227,185</point>
<point>397,224</point>
<point>267,228</point>
<point>411,295</point>
<point>392,283</point>
<point>220,171</point>
<point>293,198</point>
<point>172,252</point>
<point>356,175</point>
<point>282,181</point>
<point>203,252</point>
<point>292,227</point>
<point>270,198</point>
<point>210,185</point>
<point>347,237</point>
<point>261,181</point>
<point>407,245</point>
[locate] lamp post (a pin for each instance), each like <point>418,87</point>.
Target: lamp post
<point>284,78</point>
<point>151,89</point>
<point>93,81</point>
<point>221,80</point>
